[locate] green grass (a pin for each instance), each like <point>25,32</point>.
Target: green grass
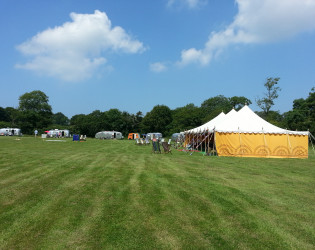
<point>116,195</point>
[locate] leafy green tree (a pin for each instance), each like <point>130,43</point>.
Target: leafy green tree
<point>267,101</point>
<point>4,116</point>
<point>214,106</point>
<point>310,102</point>
<point>97,121</point>
<point>274,117</point>
<point>35,111</point>
<point>157,120</point>
<point>302,116</point>
<point>114,119</point>
<point>4,124</point>
<point>136,121</point>
<point>185,118</point>
<point>60,119</point>
<point>295,120</point>
<point>13,115</point>
<point>79,124</point>
<point>238,102</point>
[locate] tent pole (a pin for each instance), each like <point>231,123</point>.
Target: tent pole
<point>192,140</point>
<point>214,144</point>
<point>208,143</point>
<point>265,140</point>
<point>289,144</point>
<point>195,139</point>
<point>205,140</point>
<point>209,139</point>
<point>311,136</point>
<point>198,139</point>
<point>240,142</point>
<point>201,141</point>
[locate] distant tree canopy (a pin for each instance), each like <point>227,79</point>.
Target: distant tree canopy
<point>4,115</point>
<point>157,120</point>
<point>215,105</point>
<point>60,119</point>
<point>112,119</point>
<point>34,112</point>
<point>239,102</point>
<point>302,116</point>
<point>185,118</point>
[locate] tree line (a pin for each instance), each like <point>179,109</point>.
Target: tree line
<point>35,112</point>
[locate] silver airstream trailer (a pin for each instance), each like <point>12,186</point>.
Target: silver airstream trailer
<point>10,131</point>
<point>157,136</point>
<point>178,137</point>
<point>58,133</point>
<point>109,135</point>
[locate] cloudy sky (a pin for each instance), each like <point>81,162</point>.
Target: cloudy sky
<point>133,55</point>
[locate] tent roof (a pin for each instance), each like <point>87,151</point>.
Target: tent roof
<point>246,121</point>
<point>209,125</point>
<point>243,121</point>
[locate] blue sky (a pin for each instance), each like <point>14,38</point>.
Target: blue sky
<point>133,55</point>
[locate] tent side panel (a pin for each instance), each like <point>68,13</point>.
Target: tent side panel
<point>262,145</point>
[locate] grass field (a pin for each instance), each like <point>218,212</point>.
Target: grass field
<point>116,195</point>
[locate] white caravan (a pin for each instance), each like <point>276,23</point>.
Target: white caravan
<point>109,135</point>
<point>10,131</point>
<point>58,133</point>
<point>157,136</point>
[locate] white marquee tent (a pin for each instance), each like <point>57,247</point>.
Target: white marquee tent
<point>245,134</point>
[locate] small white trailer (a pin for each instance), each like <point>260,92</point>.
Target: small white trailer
<point>109,135</point>
<point>157,136</point>
<point>58,133</point>
<point>10,131</point>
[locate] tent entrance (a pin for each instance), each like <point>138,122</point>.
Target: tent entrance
<point>203,142</point>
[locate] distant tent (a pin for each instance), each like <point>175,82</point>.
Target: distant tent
<point>245,134</point>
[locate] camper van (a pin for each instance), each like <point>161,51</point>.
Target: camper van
<point>109,135</point>
<point>10,131</point>
<point>158,136</point>
<point>133,136</point>
<point>58,133</point>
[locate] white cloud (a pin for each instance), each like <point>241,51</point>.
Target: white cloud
<point>158,67</point>
<point>191,4</point>
<point>75,50</point>
<point>257,21</point>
